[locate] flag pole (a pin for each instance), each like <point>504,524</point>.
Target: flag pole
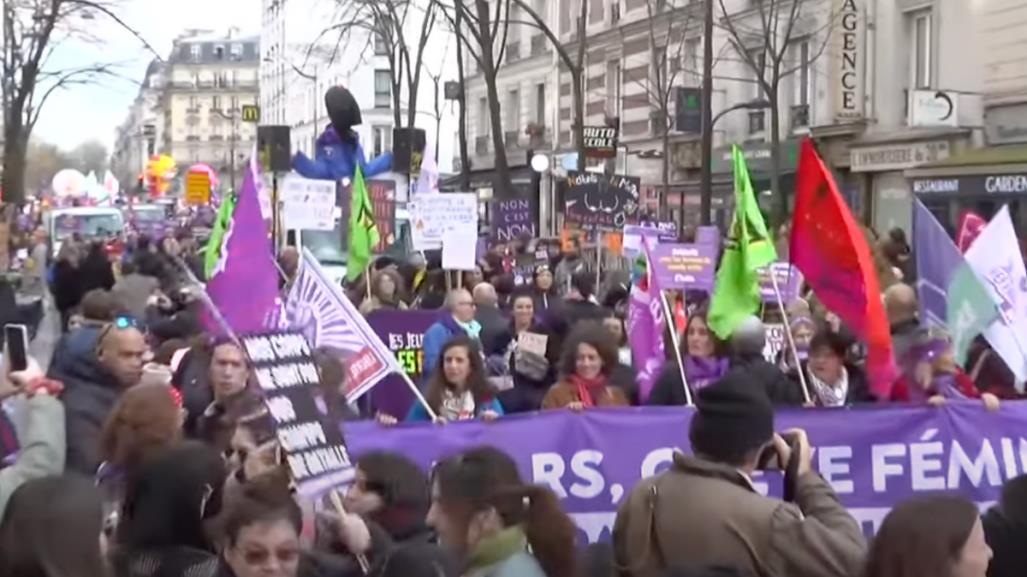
<point>677,346</point>
<point>417,393</point>
<point>788,334</point>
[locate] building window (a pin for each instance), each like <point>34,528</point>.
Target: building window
<point>803,77</point>
<point>219,52</point>
<point>236,51</point>
<point>540,104</point>
<point>381,137</point>
<point>483,117</point>
<point>382,89</point>
<point>614,87</point>
<point>513,109</point>
<point>195,50</point>
<point>235,103</point>
<point>921,53</point>
<point>216,105</point>
<point>693,61</point>
<point>192,104</point>
<point>381,48</point>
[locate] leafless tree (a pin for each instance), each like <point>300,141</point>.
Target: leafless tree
<point>32,32</point>
<point>575,66</point>
<point>482,30</point>
<point>382,24</point>
<point>670,24</point>
<point>763,38</point>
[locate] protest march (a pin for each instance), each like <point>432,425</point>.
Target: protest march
<point>632,398</point>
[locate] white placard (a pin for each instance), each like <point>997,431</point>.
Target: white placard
<point>433,215</point>
<point>533,343</point>
<point>458,249</point>
<point>308,204</point>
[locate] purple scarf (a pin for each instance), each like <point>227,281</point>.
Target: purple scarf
<point>703,371</point>
<point>943,384</point>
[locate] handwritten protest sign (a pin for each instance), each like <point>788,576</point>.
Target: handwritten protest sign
<point>598,202</point>
<point>512,218</point>
<point>313,443</point>
<point>789,281</point>
<point>308,204</point>
<point>433,215</point>
<point>685,266</point>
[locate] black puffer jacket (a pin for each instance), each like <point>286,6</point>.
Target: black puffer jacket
<point>90,393</point>
<point>780,389</point>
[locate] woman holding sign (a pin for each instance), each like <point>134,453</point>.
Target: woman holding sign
<point>459,389</point>
<point>527,355</point>
<point>589,358</point>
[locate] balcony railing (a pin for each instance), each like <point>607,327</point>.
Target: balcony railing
<point>481,145</point>
<point>800,116</point>
<point>757,121</point>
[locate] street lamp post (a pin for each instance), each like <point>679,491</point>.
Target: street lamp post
<point>706,174</point>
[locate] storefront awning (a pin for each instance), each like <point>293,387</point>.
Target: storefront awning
<point>999,170</point>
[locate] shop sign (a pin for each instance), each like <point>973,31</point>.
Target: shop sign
<point>600,141</point>
<point>975,184</point>
<point>897,156</point>
<point>757,157</point>
<point>847,65</point>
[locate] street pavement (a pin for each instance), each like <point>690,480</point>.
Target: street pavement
<point>41,348</point>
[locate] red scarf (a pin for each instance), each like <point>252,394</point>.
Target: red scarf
<point>589,389</point>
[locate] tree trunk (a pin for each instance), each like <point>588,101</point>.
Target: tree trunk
<point>666,168</point>
<point>15,151</point>
<point>465,161</point>
<point>501,180</point>
<point>779,196</point>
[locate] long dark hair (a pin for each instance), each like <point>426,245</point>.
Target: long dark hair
<point>169,498</point>
<point>720,348</point>
<point>486,478</point>
<point>51,528</point>
<point>922,537</point>
<point>477,382</point>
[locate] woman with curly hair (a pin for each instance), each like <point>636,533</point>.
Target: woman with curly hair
<point>386,292</point>
<point>589,358</point>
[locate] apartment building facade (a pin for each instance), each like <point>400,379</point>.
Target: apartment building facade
<point>208,79</point>
<point>141,134</point>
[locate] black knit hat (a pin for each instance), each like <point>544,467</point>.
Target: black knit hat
<point>734,417</point>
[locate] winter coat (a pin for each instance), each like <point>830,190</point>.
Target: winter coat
<point>133,291</point>
<point>67,288</point>
<point>493,325</point>
<point>90,392</point>
<point>565,393</point>
<point>95,273</point>
<point>42,443</point>
<point>701,513</point>
<point>780,389</point>
<point>527,393</point>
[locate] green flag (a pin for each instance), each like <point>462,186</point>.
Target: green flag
<point>969,310</point>
<point>736,294</point>
<point>363,232</point>
<point>212,252</point>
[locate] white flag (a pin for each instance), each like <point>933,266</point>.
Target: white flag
<point>996,260</point>
<point>318,308</point>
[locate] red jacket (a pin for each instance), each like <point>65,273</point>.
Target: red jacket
<point>900,392</point>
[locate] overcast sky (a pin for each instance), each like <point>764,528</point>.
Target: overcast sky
<point>87,112</point>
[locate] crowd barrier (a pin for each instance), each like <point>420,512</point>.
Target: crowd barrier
<point>874,457</point>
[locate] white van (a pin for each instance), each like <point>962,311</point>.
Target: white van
<point>87,221</point>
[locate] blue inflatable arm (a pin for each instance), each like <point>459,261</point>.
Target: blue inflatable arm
<point>307,168</point>
<point>378,165</point>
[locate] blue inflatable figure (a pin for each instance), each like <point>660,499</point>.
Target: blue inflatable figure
<point>338,147</point>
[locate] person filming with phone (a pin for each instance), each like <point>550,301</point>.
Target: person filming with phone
<point>705,510</point>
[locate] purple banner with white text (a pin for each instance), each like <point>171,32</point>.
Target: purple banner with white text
<point>403,332</point>
<point>874,457</point>
<point>789,282</point>
<point>685,266</point>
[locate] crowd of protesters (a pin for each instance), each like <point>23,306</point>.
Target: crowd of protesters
<point>145,449</point>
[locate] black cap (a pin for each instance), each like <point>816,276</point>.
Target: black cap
<point>734,417</point>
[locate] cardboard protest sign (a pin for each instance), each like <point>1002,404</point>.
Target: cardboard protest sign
<point>311,438</point>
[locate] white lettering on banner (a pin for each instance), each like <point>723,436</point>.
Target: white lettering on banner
<point>1007,184</point>
<point>926,465</point>
<point>298,437</point>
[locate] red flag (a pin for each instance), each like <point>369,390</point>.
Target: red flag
<point>970,225</point>
<point>829,247</point>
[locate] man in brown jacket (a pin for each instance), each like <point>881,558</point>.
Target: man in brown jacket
<point>705,512</point>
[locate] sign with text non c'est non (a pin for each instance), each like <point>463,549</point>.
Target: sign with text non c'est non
<point>197,188</point>
<point>250,113</point>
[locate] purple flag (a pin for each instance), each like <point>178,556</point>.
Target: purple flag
<point>244,284</point>
<point>645,329</point>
